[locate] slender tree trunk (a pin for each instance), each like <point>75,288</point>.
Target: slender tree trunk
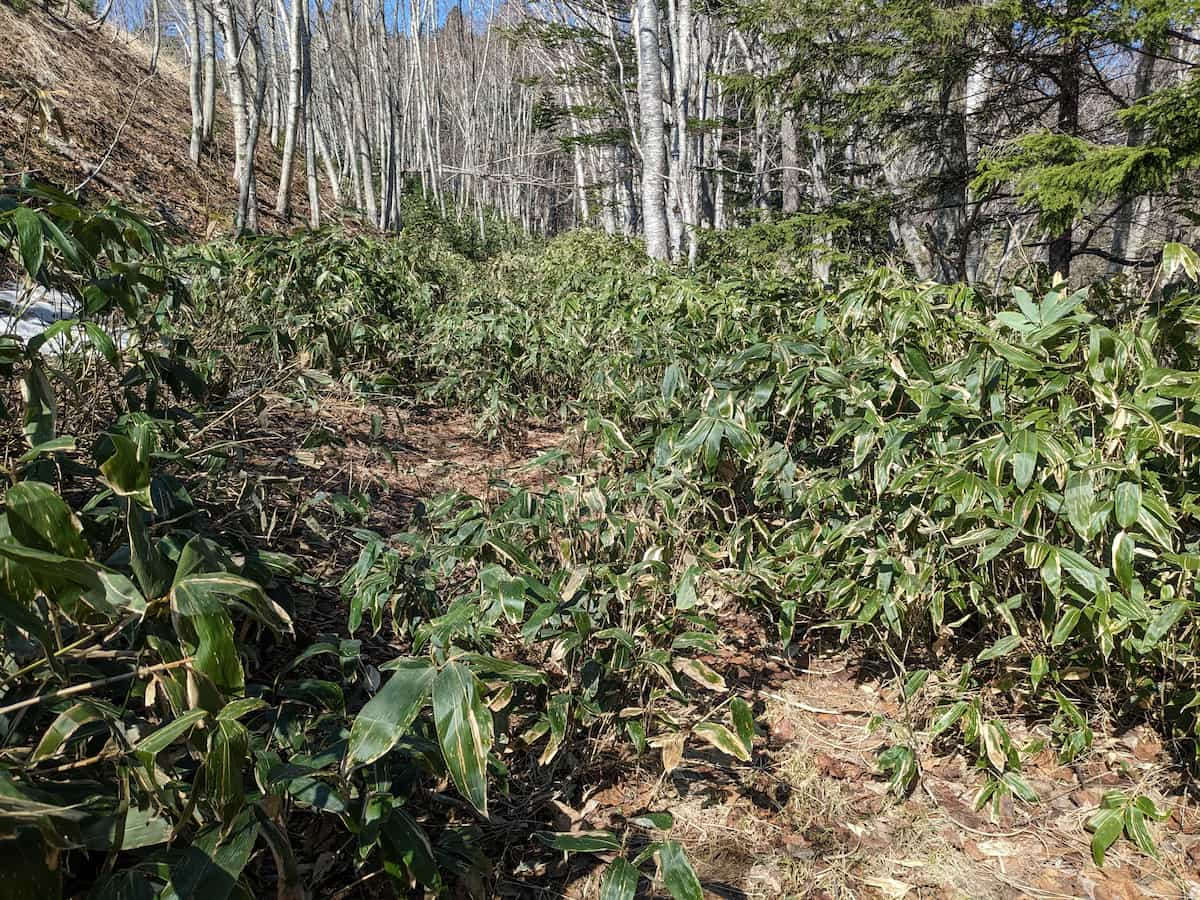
<point>789,154</point>
<point>327,159</point>
<point>310,131</point>
<point>650,102</point>
<point>249,193</point>
<point>210,72</point>
<point>195,89</point>
<point>362,133</point>
<point>1061,244</point>
<point>297,39</point>
<point>236,85</point>
<point>156,40</point>
<point>822,197</point>
<point>274,119</point>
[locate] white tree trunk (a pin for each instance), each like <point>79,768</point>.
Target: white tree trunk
<point>195,89</point>
<point>156,38</point>
<point>650,108</point>
<point>210,72</point>
<point>236,86</point>
<point>297,38</point>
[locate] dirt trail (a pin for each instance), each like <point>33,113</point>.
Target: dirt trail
<point>810,816</point>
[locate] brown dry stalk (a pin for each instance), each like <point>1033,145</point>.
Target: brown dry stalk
<point>89,685</point>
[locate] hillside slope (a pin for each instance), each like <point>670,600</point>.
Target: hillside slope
<point>81,107</point>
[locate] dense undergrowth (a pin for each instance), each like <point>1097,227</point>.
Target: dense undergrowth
<point>988,491</point>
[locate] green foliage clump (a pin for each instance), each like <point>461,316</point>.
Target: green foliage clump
<point>348,303</point>
<point>476,237</point>
<point>1063,176</point>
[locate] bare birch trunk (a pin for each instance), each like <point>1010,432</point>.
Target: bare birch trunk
<point>297,38</point>
<point>210,72</point>
<point>156,24</point>
<point>236,85</point>
<point>650,103</point>
<point>789,156</point>
<point>195,87</point>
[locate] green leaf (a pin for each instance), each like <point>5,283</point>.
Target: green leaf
<point>995,744</point>
<point>637,734</point>
<point>1146,805</point>
<point>152,569</point>
<point>464,728</point>
<point>1138,831</point>
<point>102,341</point>
<point>492,667</point>
<point>743,722</point>
<point>66,724</point>
<point>557,711</point>
<point>658,821</point>
<point>900,763</point>
<point>1038,669</point>
<point>386,718</point>
<point>863,443</point>
<point>1024,457</point>
<point>41,519</point>
<point>214,593</point>
<point>1066,625</point>
<point>723,739</point>
<point>948,717</point>
<point>15,612</point>
<point>1106,826</point>
<point>1079,499</point>
<point>139,828</point>
<point>1127,503</point>
<point>1002,647</point>
<point>163,737</point>
<point>1020,787</point>
<point>127,471</point>
<point>41,406</point>
<point>677,873</point>
<point>914,683</point>
<point>212,865</point>
<point>403,840</point>
<point>1176,256</point>
<point>104,589</point>
<point>700,673</point>
<point>1123,548</point>
<point>685,593</point>
<point>56,445</point>
<point>620,881</point>
<point>216,654</point>
<point>30,239</point>
<point>580,841</point>
<point>238,709</point>
<point>228,745</point>
<point>672,378</point>
<point>1164,622</point>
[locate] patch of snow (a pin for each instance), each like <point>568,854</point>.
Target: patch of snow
<point>27,311</point>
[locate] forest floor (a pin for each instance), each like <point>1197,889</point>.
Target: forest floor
<point>810,816</point>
